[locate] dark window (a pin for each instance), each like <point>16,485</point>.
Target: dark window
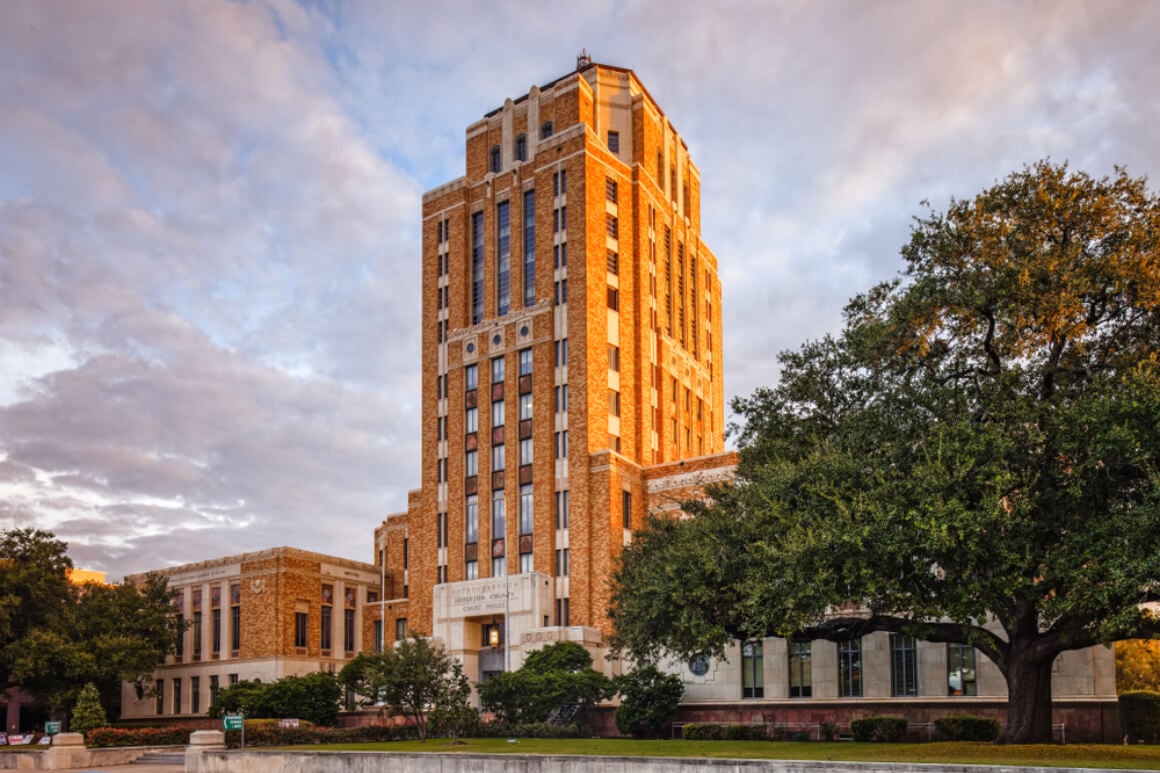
<point>194,695</point>
<point>159,688</point>
<point>176,696</point>
<point>613,357</point>
<point>612,226</point>
<point>903,665</point>
<point>561,509</point>
<point>529,248</point>
<point>561,292</point>
<point>400,629</point>
<point>545,130</point>
<point>801,677</point>
<point>614,142</point>
<point>561,352</point>
<point>471,377</point>
<point>613,298</point>
<point>610,189</point>
<point>521,147</point>
<point>197,635</point>
<point>348,630</point>
<point>215,687</point>
<point>562,562</point>
<point>325,637</point>
<point>179,649</point>
<point>562,612</point>
<point>626,508</point>
<point>216,623</point>
<point>235,628</point>
<point>300,619</point>
<point>850,668</point>
<point>613,402</point>
<point>378,634</point>
<point>476,268</point>
<point>503,258</point>
<point>494,163</point>
<point>752,670</point>
<point>613,262</point>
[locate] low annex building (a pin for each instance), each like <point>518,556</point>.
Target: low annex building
<point>263,615</point>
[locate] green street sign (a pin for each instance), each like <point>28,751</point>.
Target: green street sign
<point>231,722</point>
<point>52,728</point>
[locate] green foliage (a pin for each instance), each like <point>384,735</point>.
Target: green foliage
<point>993,413</point>
<point>888,729</point>
<point>422,682</point>
<point>265,734</point>
<point>648,698</point>
<point>556,683</point>
<point>102,737</point>
<point>708,731</point>
<point>1140,716</point>
<point>88,712</point>
<point>966,727</point>
<point>56,637</point>
<point>530,730</point>
<point>365,676</point>
<point>697,731</point>
<point>314,698</point>
<point>1138,665</point>
<point>827,731</point>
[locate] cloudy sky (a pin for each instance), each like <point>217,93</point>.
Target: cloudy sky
<point>209,216</point>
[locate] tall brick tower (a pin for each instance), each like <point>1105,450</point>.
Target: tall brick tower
<point>571,367</point>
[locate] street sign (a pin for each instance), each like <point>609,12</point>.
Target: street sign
<point>52,728</point>
<point>231,722</point>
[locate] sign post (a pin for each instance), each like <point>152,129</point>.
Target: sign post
<point>52,727</point>
<point>235,722</point>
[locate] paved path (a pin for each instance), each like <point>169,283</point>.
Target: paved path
<point>129,769</point>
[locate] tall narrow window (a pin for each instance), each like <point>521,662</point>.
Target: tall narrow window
<point>471,570</point>
<point>801,675</point>
<point>614,141</point>
<point>850,668</point>
<point>521,147</point>
<point>215,686</point>
<point>235,628</point>
<point>526,451</point>
<point>497,370</point>
<point>378,634</point>
<point>752,670</point>
<point>525,406</point>
<point>495,160</point>
<point>176,696</point>
<point>325,636</point>
<point>471,463</point>
<point>348,630</point>
<point>610,189</point>
<point>159,689</point>
<point>503,251</point>
<point>526,563</point>
<point>903,665</point>
<point>498,515</point>
<point>961,678</point>
<point>497,413</point>
<point>195,695</point>
<point>476,268</point>
<point>300,628</point>
<point>400,628</point>
<point>562,562</point>
<point>471,519</point>
<point>525,362</point>
<point>499,566</point>
<point>613,357</point>
<point>471,377</point>
<point>179,649</point>
<point>613,262</point>
<point>626,509</point>
<point>497,457</point>
<point>612,226</point>
<point>613,402</point>
<point>529,248</point>
<point>562,444</point>
<point>545,130</point>
<point>216,631</point>
<point>562,509</point>
<point>526,510</point>
<point>197,635</point>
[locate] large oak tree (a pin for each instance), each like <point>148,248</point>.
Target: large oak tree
<point>972,459</point>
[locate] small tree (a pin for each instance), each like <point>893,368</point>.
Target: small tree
<point>557,680</point>
<point>451,714</point>
<point>88,712</point>
<point>244,697</point>
<point>422,678</point>
<point>648,698</point>
<point>366,677</point>
<point>313,697</point>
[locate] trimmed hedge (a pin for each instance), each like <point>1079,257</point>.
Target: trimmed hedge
<point>527,730</point>
<point>271,734</point>
<point>966,727</point>
<point>698,731</point>
<point>138,736</point>
<point>1140,716</point>
<point>889,729</point>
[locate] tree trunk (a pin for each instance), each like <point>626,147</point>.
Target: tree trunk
<point>1028,699</point>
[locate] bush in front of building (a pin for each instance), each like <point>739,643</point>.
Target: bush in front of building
<point>102,737</point>
<point>888,729</point>
<point>556,684</point>
<point>965,727</point>
<point>263,733</point>
<point>88,712</point>
<point>314,698</point>
<point>1140,716</point>
<point>648,698</point>
<point>529,730</point>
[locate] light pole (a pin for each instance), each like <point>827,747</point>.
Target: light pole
<point>383,592</point>
<point>507,661</point>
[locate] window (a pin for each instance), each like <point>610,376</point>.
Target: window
<point>525,362</point>
<point>610,189</point>
<point>562,611</point>
<point>233,679</point>
<point>326,635</point>
<point>471,570</point>
<point>903,665</point>
<point>562,562</point>
<point>441,528</point>
<point>560,219</point>
<point>440,574</point>
<point>614,142</point>
<point>562,444</point>
<point>215,686</point>
<point>613,403</point>
<point>497,457</point>
<point>300,625</point>
<point>561,352</point>
<point>159,688</point>
<point>850,669</point>
<point>561,292</point>
<point>613,262</point>
<point>471,377</point>
<point>529,248</point>
<point>215,641</point>
<point>179,648</point>
<point>176,696</point>
<point>494,161</point>
<point>503,251</point>
<point>614,298</point>
<point>471,421</point>
<point>471,519</point>
<point>378,635</point>
<point>526,510</point>
<point>626,508</point>
<point>498,566</point>
<point>497,370</point>
<point>236,628</point>
<point>612,225</point>
<point>441,471</point>
<point>562,398</point>
<point>752,670</point>
<point>441,387</point>
<point>476,268</point>
<point>498,515</point>
<point>525,406</point>
<point>561,509</point>
<point>497,410</point>
<point>197,635</point>
<point>471,463</point>
<point>613,357</point>
<point>348,630</point>
<point>400,628</point>
<point>521,147</point>
<point>961,677</point>
<point>526,563</point>
<point>526,451</point>
<point>560,182</point>
<point>561,253</point>
<point>801,678</point>
<point>194,695</point>
<point>545,130</point>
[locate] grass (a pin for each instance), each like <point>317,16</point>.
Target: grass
<point>1070,756</point>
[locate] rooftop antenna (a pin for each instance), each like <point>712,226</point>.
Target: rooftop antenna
<point>583,60</point>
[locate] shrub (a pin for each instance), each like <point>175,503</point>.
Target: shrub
<point>648,699</point>
<point>966,728</point>
<point>88,712</point>
<point>138,736</point>
<point>529,730</point>
<point>827,731</point>
<point>270,733</point>
<point>555,684</point>
<point>890,729</point>
<point>696,731</point>
<point>1140,716</point>
<point>746,733</point>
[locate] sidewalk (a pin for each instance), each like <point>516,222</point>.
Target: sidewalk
<point>128,769</point>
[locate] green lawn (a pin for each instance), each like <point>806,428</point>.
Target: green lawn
<point>1075,755</point>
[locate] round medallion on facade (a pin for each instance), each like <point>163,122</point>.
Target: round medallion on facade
<point>699,665</point>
